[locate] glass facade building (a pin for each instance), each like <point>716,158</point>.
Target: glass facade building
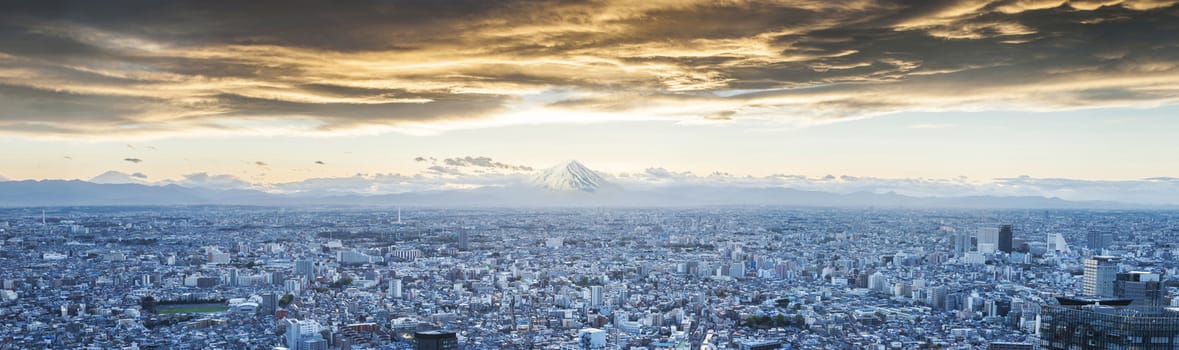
<point>1086,327</point>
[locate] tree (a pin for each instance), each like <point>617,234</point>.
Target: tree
<point>345,281</point>
<point>286,300</point>
<point>148,303</point>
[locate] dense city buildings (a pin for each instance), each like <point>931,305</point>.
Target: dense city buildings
<point>572,278</point>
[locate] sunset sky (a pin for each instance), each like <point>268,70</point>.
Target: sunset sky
<point>285,91</point>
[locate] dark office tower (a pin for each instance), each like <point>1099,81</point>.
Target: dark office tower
<point>1096,241</point>
<point>464,240</point>
<point>436,340</point>
<point>269,304</point>
<point>1142,287</point>
<point>1084,326</point>
<point>1005,237</point>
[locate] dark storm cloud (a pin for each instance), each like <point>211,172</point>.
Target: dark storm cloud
<point>82,67</point>
<point>337,115</point>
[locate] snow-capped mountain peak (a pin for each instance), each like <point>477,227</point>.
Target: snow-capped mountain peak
<point>570,176</point>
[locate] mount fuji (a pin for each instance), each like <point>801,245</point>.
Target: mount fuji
<point>571,176</point>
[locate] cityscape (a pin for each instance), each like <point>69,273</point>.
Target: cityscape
<point>599,278</point>
<point>589,174</point>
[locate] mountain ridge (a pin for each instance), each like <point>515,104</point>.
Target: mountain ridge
<point>29,193</point>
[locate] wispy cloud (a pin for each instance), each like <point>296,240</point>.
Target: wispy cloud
<point>483,162</point>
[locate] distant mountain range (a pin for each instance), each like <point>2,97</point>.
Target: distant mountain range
<point>567,184</point>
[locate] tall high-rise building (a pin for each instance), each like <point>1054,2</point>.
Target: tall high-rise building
<point>963,243</point>
<point>436,340</point>
<point>1085,325</point>
<point>877,281</point>
<point>1144,288</point>
<point>988,240</point>
<point>1005,239</point>
<point>233,277</point>
<point>1100,273</point>
<point>395,288</point>
<point>737,270</point>
<point>306,269</point>
<point>1097,240</point>
<point>464,240</point>
<point>269,303</point>
<point>595,296</point>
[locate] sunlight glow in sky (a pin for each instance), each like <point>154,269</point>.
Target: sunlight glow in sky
<point>276,92</point>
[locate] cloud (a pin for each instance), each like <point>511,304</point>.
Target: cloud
<point>722,115</point>
<point>484,162</point>
<point>77,68</point>
<point>206,180</point>
<point>133,160</point>
<point>444,170</point>
<point>260,163</point>
<point>139,176</point>
<point>320,162</point>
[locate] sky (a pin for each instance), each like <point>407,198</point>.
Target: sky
<point>265,93</point>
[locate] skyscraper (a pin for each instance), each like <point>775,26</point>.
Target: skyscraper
<point>1097,240</point>
<point>1144,288</point>
<point>464,240</point>
<point>306,269</point>
<point>436,340</point>
<point>595,296</point>
<point>1100,273</point>
<point>1005,238</point>
<point>962,243</point>
<point>988,240</point>
<point>395,288</point>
